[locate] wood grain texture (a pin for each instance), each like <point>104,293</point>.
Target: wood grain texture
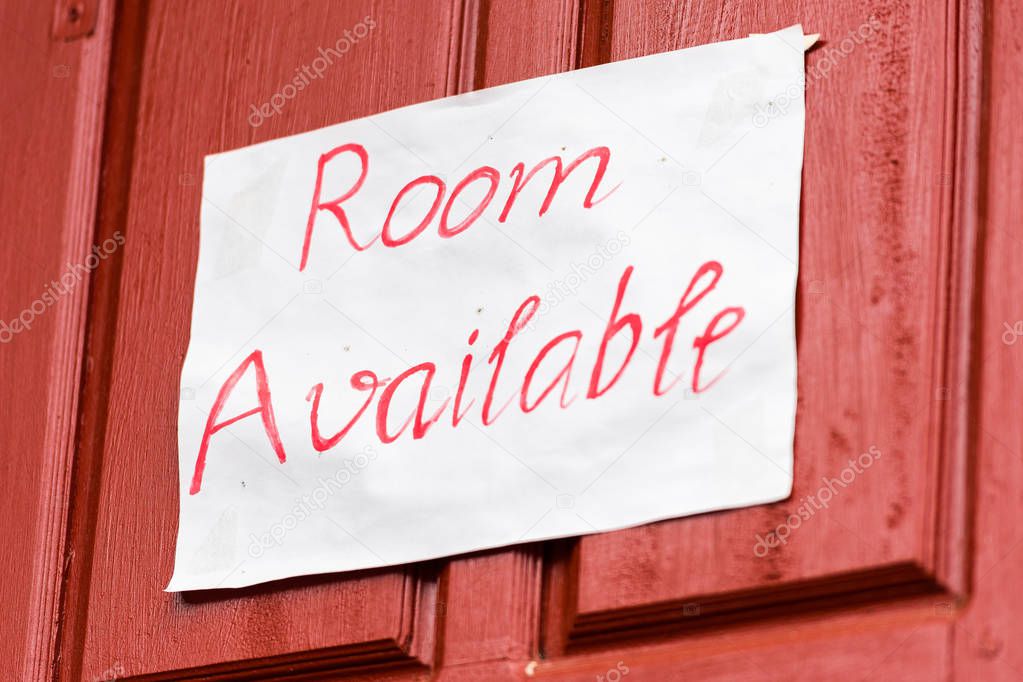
<point>51,114</point>
<point>198,71</point>
<point>883,326</point>
<point>988,636</point>
<point>491,600</point>
<point>909,256</point>
<point>520,40</point>
<point>904,641</point>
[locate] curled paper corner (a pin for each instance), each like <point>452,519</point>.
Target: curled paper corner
<point>809,39</point>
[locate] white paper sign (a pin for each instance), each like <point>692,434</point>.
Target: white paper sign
<point>551,308</point>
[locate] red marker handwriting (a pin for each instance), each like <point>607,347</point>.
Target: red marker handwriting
<point>522,390</point>
<point>598,158</point>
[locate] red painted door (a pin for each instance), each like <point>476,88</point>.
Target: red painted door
<point>909,351</point>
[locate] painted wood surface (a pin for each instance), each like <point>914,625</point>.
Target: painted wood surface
<point>907,307</point>
<point>876,328</point>
<point>227,58</point>
<point>988,639</point>
<point>51,114</point>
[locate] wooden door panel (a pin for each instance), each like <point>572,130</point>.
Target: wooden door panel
<point>51,116</point>
<point>878,340</point>
<point>491,600</point>
<point>905,644</point>
<point>881,330</point>
<point>523,40</point>
<point>199,69</point>
<point>988,638</point>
